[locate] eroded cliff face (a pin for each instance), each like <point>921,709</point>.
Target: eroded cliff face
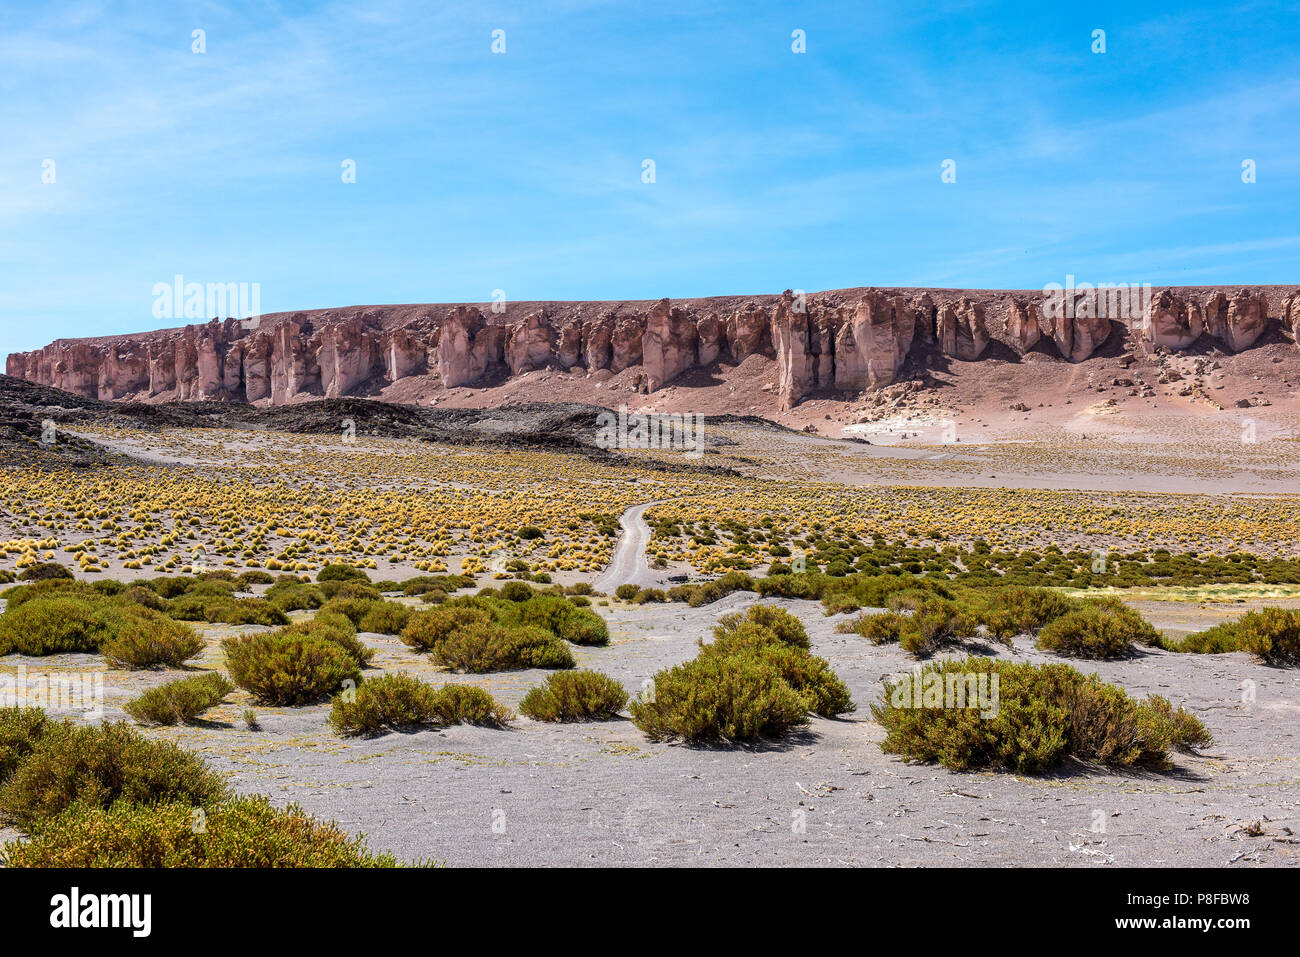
<point>845,341</point>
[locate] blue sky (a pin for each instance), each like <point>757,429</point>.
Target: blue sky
<point>523,171</point>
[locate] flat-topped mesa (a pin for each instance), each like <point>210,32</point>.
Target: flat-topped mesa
<point>844,341</point>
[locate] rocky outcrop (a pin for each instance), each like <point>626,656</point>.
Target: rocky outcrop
<point>1169,321</point>
<point>1176,322</point>
<point>1247,319</point>
<point>1022,325</point>
<point>843,341</point>
<point>1078,323</point>
<point>668,347</point>
<point>1291,315</point>
<point>960,329</point>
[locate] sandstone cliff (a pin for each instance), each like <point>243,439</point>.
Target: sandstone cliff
<point>842,341</point>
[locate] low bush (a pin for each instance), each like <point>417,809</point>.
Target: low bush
<point>874,591</point>
<point>1032,719</point>
<point>784,626</point>
<point>467,704</point>
<point>341,573</point>
<point>933,623</point>
<point>284,668</point>
<point>719,697</point>
<point>181,700</point>
<point>19,730</point>
<point>423,584</point>
<point>1016,610</point>
<point>216,605</point>
<point>559,616</point>
<point>385,618</point>
<point>1098,629</point>
<point>294,596</point>
<point>706,593</point>
<point>336,628</point>
<point>487,646</point>
<point>147,639</point>
<point>254,576</point>
<point>1272,635</point>
<point>778,640</point>
<point>99,765</point>
<point>516,591</point>
<point>57,624</point>
<point>44,571</point>
<point>397,701</point>
<point>575,696</point>
<point>626,592</point>
<point>426,630</point>
<point>243,832</point>
<point>755,679</point>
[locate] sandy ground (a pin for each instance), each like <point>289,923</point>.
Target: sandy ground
<point>600,794</point>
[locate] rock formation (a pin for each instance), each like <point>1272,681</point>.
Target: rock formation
<point>843,341</point>
<point>1176,322</point>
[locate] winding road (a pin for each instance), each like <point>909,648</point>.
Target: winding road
<point>629,563</point>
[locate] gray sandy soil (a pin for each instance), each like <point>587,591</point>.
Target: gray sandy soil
<point>600,794</point>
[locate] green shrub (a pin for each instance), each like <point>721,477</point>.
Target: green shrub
<point>181,700</point>
<point>778,640</point>
<point>50,588</point>
<point>294,596</point>
<point>735,697</point>
<point>44,571</point>
<point>1016,610</point>
<point>423,584</point>
<point>19,730</point>
<point>875,591</point>
<point>516,591</point>
<point>467,704</point>
<point>934,623</point>
<point>560,617</point>
<point>1218,640</point>
<point>575,696</point>
<point>385,618</point>
<point>57,624</point>
<point>781,582</point>
<point>1272,635</point>
<point>1038,716</point>
<point>397,701</point>
<point>626,592</point>
<point>167,586</point>
<point>213,604</point>
<point>426,630</point>
<point>486,646</point>
<point>140,595</point>
<point>99,765</point>
<point>529,532</point>
<point>254,576</point>
<point>333,627</point>
<point>645,596</point>
<point>288,669</point>
<point>353,608</point>
<point>357,589</point>
<point>1098,630</point>
<point>784,626</point>
<point>146,639</point>
<point>706,593</point>
<point>341,573</point>
<point>243,832</point>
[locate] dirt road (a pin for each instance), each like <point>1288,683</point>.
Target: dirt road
<point>629,563</point>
